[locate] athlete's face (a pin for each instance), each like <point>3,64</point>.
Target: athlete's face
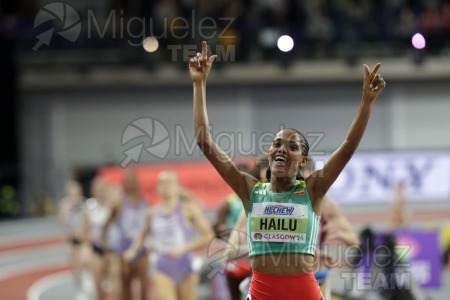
<point>73,190</point>
<point>285,154</point>
<point>168,185</point>
<point>99,189</point>
<point>131,183</point>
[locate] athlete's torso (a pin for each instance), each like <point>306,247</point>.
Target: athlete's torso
<point>98,215</point>
<point>282,230</point>
<point>170,229</point>
<point>130,223</point>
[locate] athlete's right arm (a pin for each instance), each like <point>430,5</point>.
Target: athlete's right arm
<point>85,234</point>
<point>115,210</point>
<point>238,239</point>
<point>241,183</point>
<point>131,252</point>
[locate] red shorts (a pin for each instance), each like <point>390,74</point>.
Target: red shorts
<point>276,287</point>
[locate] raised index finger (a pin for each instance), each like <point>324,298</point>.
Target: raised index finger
<point>375,70</point>
<point>204,50</point>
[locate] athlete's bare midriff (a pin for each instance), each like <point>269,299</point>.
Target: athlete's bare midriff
<point>283,264</point>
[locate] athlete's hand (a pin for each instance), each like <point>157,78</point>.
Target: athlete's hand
<point>373,83</point>
<point>85,255</point>
<point>129,255</point>
<point>324,259</point>
<point>200,65</point>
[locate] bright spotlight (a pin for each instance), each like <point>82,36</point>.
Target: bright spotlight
<point>285,43</point>
<point>418,41</point>
<point>150,44</point>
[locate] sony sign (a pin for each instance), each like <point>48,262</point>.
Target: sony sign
<point>371,177</point>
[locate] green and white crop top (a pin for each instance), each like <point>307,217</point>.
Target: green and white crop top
<point>281,222</point>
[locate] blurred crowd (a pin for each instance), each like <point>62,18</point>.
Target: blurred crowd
<point>320,28</point>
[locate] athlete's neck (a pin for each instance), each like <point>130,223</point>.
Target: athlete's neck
<point>133,197</point>
<point>281,184</point>
<point>169,203</point>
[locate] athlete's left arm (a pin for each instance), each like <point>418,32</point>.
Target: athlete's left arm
<point>338,227</point>
<point>320,181</point>
<point>200,224</point>
<point>138,242</point>
<point>237,242</point>
<point>85,225</point>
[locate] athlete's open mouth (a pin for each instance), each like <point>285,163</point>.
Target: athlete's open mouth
<point>279,159</point>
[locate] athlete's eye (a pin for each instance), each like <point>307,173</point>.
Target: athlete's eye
<point>293,147</point>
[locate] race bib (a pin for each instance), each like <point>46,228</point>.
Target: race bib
<point>279,222</point>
